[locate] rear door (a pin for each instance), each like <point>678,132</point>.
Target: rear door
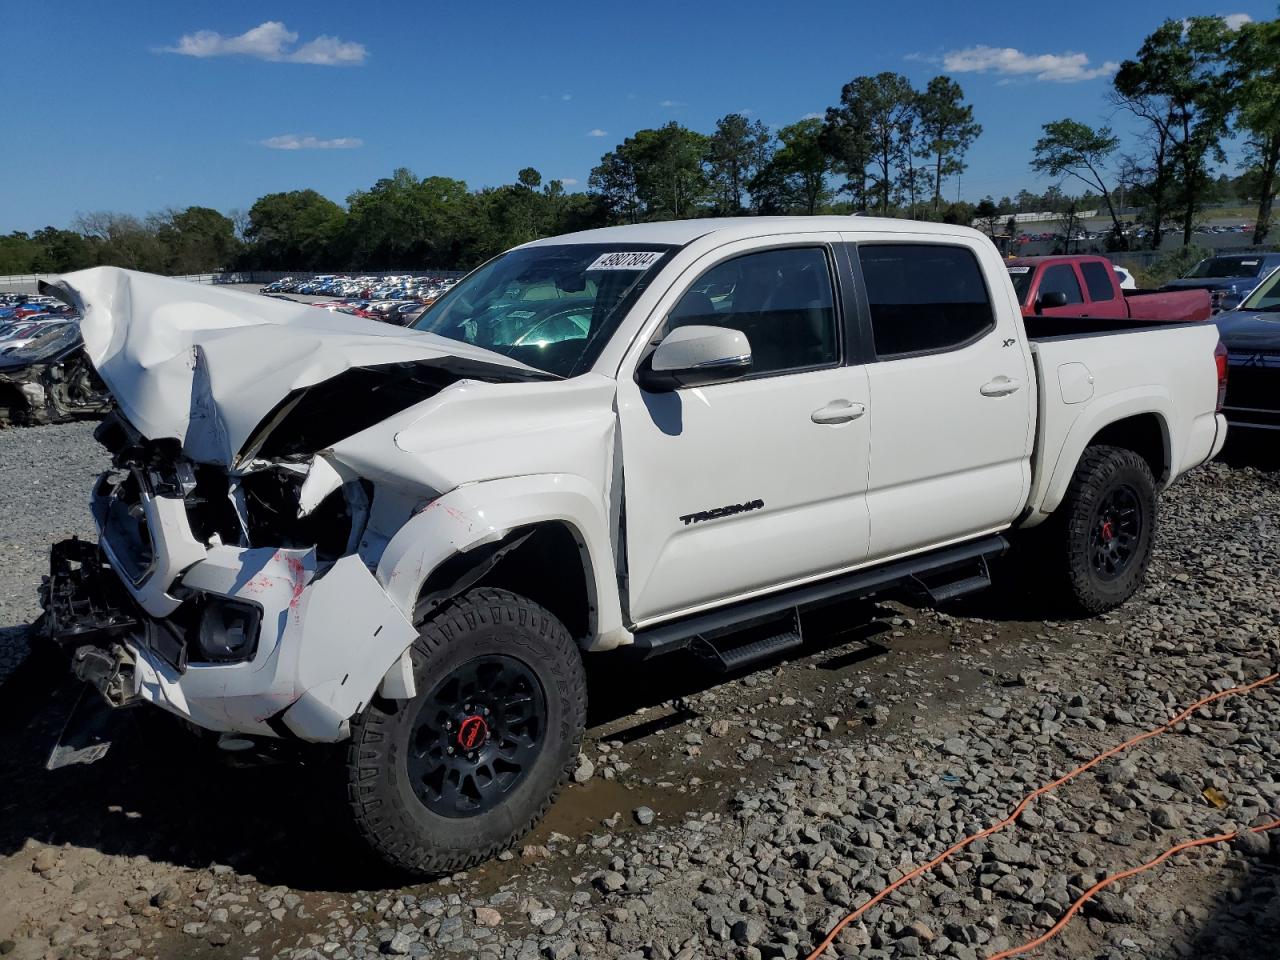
<point>952,392</point>
<point>1103,291</point>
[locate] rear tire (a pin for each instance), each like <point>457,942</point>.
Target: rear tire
<point>1101,539</point>
<point>470,765</point>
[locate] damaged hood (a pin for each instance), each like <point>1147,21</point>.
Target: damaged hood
<point>208,366</point>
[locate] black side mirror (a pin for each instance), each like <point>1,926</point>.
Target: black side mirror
<point>1050,299</point>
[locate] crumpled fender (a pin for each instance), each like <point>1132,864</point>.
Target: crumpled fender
<point>481,513</point>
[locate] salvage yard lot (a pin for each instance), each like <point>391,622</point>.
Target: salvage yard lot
<point>780,798</point>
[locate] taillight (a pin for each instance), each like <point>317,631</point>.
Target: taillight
<point>1220,358</point>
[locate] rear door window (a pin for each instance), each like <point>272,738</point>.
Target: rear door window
<point>1098,280</point>
<point>924,298</point>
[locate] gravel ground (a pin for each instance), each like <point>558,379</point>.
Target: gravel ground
<point>45,473</point>
<point>733,819</point>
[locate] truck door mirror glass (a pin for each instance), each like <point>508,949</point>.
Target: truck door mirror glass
<point>694,356</point>
<point>1051,299</point>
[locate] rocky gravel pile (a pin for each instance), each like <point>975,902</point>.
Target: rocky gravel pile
<point>742,820</point>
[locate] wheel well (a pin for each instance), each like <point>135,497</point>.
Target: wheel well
<point>546,563</point>
<point>1144,434</point>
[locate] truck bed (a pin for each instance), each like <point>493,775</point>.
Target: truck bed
<point>1087,368</point>
<point>1155,305</point>
<point>1056,328</point>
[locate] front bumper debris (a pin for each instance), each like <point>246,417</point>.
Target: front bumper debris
<point>327,636</point>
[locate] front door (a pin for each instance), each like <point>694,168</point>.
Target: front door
<point>759,482</point>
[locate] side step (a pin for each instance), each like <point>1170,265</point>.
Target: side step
<point>939,575</point>
<point>951,584</point>
<point>729,652</point>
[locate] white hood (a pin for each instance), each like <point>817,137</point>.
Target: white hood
<point>205,365</point>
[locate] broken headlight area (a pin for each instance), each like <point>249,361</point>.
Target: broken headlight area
<point>259,507</point>
<point>271,506</point>
<point>88,614</point>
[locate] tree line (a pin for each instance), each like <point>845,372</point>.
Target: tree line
<point>885,148</point>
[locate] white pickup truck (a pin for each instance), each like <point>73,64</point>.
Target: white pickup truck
<point>640,439</point>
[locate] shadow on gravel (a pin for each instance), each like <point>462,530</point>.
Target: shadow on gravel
<point>1244,922</point>
<point>1252,448</point>
<point>163,794</point>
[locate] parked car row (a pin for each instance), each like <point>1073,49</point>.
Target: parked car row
<point>399,312</point>
<point>421,289</point>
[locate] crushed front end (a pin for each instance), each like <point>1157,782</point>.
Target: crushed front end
<point>213,595</point>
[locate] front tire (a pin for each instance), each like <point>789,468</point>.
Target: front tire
<point>1102,544</point>
<point>471,763</point>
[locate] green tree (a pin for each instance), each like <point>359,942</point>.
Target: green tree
<point>800,167</point>
<point>18,253</point>
<point>988,216</point>
<point>947,130</point>
<point>868,136</point>
<point>655,175</point>
<point>196,240</point>
<point>1075,149</point>
<point>61,251</point>
<point>1255,59</point>
<point>1181,71</point>
<point>736,153</point>
<point>295,230</point>
<point>614,181</point>
<point>123,240</point>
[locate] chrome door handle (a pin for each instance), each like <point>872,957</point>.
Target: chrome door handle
<point>838,411</point>
<point>1000,387</point>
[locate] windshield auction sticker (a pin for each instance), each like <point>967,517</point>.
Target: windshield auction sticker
<point>625,261</point>
<point>1019,269</point>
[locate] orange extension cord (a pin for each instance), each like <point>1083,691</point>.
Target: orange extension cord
<point>1058,927</point>
<point>1040,791</point>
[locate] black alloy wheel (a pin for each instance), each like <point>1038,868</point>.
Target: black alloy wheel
<point>477,736</point>
<point>1116,533</point>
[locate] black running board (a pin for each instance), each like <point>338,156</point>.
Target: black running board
<point>943,585</point>
<point>964,564</point>
<point>740,647</point>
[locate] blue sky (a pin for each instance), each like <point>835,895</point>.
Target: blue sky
<point>139,106</point>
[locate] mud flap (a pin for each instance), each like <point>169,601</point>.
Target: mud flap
<point>86,736</point>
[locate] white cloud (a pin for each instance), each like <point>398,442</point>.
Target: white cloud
<point>271,40</point>
<point>812,116</point>
<point>566,96</point>
<point>292,141</point>
<point>569,181</point>
<point>1010,62</point>
<point>671,103</point>
<point>1237,20</point>
<point>597,132</point>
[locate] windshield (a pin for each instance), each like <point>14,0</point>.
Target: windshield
<point>1266,296</point>
<point>551,307</point>
<point>1021,277</point>
<point>1217,267</point>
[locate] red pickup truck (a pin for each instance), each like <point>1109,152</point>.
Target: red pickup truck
<point>1087,286</point>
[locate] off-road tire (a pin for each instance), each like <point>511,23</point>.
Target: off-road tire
<point>1102,471</point>
<point>391,817</point>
